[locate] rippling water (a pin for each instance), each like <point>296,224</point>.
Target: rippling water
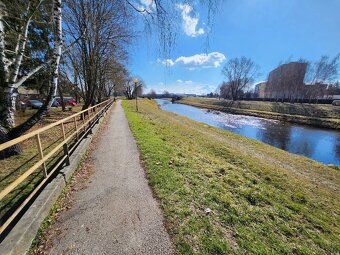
<point>319,144</point>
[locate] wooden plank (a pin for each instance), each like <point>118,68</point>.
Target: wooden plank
<point>22,177</point>
<point>63,131</point>
<point>43,159</point>
<point>28,199</point>
<point>40,130</point>
<point>75,126</point>
<point>41,153</point>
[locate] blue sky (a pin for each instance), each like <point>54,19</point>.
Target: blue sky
<point>268,31</point>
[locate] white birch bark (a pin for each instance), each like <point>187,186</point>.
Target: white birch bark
<point>9,93</point>
<point>20,53</point>
<point>4,62</point>
<point>7,125</point>
<point>21,80</point>
<point>58,43</point>
<point>20,47</point>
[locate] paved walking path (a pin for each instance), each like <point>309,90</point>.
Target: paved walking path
<point>116,213</point>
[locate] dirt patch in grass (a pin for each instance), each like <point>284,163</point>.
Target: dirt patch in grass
<point>263,200</point>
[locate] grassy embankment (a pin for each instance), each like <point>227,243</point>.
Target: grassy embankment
<point>263,200</point>
<point>13,167</point>
<point>326,116</point>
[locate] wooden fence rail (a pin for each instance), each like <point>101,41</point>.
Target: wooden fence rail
<point>88,119</point>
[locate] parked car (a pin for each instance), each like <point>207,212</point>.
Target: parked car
<point>69,101</point>
<point>336,102</point>
<point>55,103</point>
<point>34,104</point>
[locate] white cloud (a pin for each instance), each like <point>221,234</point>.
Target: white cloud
<point>148,5</point>
<point>167,62</point>
<point>213,59</point>
<point>189,22</point>
<point>185,82</point>
<point>147,2</point>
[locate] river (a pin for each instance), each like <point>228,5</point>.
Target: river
<point>322,145</point>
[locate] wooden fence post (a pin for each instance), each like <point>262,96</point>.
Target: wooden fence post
<point>41,153</point>
<point>90,122</point>
<point>65,147</point>
<point>83,118</point>
<point>76,127</point>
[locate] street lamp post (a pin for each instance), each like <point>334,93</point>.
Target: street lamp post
<point>135,81</point>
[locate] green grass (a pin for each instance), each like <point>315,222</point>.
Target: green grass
<point>263,200</point>
<point>326,116</point>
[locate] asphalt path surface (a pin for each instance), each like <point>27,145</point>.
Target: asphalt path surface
<point>116,213</point>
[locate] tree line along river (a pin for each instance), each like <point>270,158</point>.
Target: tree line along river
<point>319,144</point>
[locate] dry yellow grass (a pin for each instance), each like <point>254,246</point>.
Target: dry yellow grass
<point>13,167</point>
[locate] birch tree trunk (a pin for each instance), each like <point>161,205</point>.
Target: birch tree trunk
<point>3,60</point>
<point>10,92</point>
<point>8,130</point>
<point>58,43</point>
<point>9,97</point>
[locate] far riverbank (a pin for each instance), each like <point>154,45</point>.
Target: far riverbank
<point>324,116</point>
<point>319,144</point>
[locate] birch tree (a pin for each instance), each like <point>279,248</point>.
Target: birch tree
<point>54,61</point>
<point>11,61</point>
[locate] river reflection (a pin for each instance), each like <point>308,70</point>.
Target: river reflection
<point>318,144</point>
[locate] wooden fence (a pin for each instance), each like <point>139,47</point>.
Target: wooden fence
<point>78,126</point>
